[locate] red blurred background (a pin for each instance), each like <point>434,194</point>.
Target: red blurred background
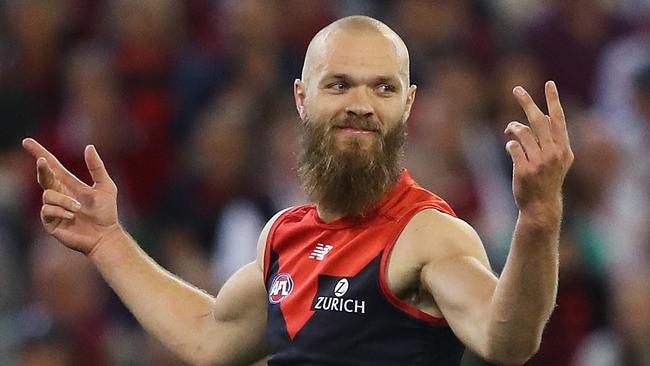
<point>190,105</point>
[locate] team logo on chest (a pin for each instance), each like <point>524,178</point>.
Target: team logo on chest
<point>281,287</point>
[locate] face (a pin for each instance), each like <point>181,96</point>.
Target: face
<point>355,77</point>
<point>354,101</point>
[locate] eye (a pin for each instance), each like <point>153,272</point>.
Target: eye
<point>338,86</point>
<point>385,88</point>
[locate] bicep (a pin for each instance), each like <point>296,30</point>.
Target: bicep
<point>241,311</point>
<point>457,274</point>
<point>462,288</point>
<point>240,314</point>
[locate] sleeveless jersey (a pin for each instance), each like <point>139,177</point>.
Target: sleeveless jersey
<point>329,301</point>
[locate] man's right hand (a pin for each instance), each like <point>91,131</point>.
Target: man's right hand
<point>78,215</point>
<point>194,325</point>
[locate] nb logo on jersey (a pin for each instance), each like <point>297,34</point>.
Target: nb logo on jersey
<point>281,287</point>
<point>320,251</point>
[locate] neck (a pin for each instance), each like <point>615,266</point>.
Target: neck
<point>328,216</point>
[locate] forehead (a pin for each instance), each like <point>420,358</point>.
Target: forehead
<point>359,55</point>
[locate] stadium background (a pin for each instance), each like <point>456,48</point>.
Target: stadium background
<point>190,105</point>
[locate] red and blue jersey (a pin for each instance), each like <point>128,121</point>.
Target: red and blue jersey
<point>328,298</point>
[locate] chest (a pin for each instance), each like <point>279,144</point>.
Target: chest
<point>338,270</point>
<point>331,290</point>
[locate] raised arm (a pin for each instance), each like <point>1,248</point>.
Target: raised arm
<point>503,319</point>
<point>200,329</point>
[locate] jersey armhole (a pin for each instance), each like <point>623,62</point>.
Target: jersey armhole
<point>383,282</point>
<point>270,239</point>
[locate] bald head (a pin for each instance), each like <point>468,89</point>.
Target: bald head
<point>353,26</point>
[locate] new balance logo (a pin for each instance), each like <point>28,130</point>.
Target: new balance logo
<point>320,251</point>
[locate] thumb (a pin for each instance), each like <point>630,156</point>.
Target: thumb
<point>96,167</point>
<point>45,176</point>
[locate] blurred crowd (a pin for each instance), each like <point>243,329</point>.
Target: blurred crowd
<point>189,102</point>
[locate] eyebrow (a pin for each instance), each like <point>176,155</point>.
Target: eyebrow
<point>378,79</point>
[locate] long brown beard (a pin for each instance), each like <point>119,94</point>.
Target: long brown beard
<point>350,182</point>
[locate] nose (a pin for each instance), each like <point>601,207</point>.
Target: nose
<point>359,103</point>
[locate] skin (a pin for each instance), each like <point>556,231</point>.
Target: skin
<point>362,74</point>
<point>438,263</point>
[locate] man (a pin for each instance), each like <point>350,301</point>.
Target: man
<point>378,271</point>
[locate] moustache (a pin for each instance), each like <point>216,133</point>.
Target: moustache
<point>358,123</point>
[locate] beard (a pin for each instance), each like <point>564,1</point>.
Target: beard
<point>350,181</point>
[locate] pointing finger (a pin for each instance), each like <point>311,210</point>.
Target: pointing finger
<point>536,118</point>
<point>38,151</point>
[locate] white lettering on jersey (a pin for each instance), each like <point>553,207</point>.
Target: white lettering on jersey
<point>281,287</point>
<point>330,303</point>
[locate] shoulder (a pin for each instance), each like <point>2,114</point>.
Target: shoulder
<point>261,242</point>
<point>432,236</point>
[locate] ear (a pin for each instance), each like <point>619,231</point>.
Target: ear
<point>410,98</point>
<point>299,97</point>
